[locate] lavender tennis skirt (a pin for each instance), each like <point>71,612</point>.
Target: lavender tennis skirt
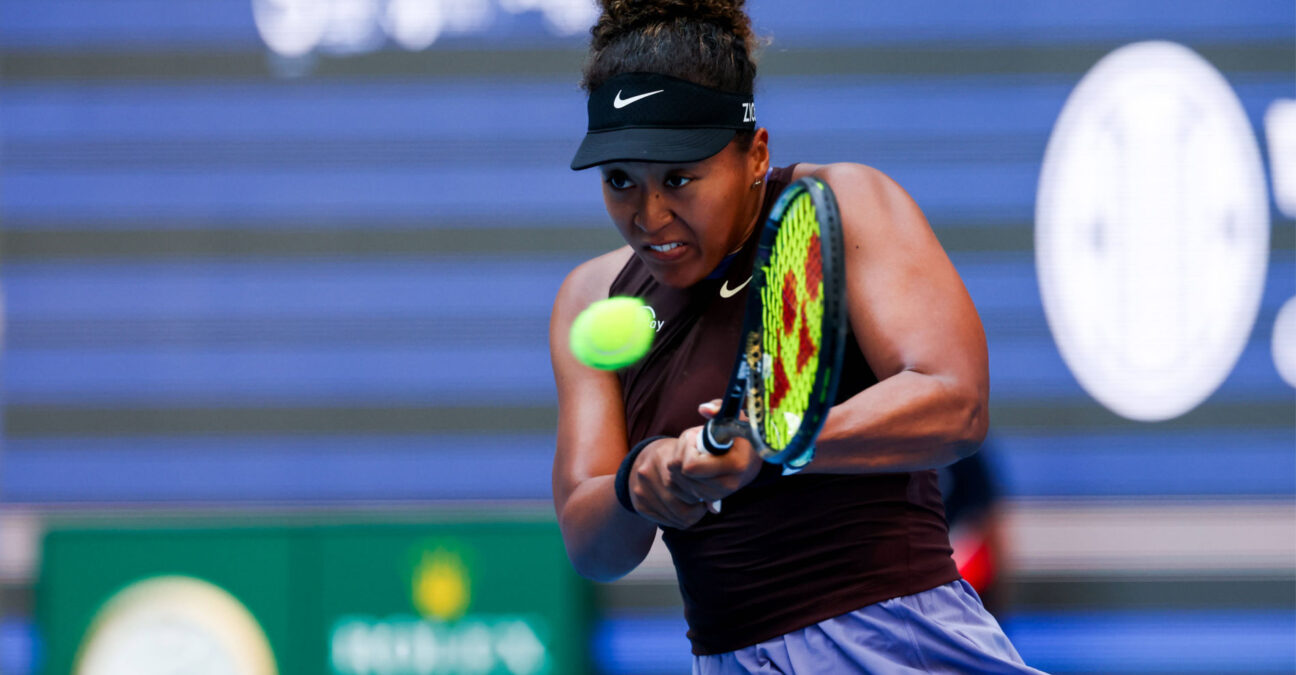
<point>942,630</point>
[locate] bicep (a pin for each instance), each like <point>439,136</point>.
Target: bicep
<point>908,307</point>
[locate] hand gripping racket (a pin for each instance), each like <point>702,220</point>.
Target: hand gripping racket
<point>793,335</point>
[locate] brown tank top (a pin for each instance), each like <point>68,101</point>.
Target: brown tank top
<point>787,551</point>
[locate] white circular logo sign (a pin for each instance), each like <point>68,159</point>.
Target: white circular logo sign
<point>1283,346</point>
<point>174,624</point>
<point>1151,231</point>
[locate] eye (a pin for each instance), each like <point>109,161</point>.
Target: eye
<point>677,181</point>
<point>618,180</point>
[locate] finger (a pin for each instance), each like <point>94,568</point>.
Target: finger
<point>651,500</point>
<point>689,490</point>
<point>740,460</point>
<point>710,408</point>
<point>692,491</point>
<point>685,489</point>
<point>709,491</point>
<point>702,488</point>
<point>706,465</point>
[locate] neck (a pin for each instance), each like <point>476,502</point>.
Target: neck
<point>754,219</point>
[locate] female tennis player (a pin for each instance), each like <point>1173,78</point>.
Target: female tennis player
<point>844,566</point>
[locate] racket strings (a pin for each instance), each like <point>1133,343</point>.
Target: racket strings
<point>793,322</point>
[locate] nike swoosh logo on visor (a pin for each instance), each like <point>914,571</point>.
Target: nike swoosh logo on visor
<point>726,292</point>
<point>620,103</point>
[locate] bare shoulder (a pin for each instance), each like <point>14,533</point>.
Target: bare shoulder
<point>802,169</point>
<point>857,182</point>
<point>871,201</point>
<point>863,182</point>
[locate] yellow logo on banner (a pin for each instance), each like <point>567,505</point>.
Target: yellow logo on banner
<point>441,585</point>
<point>448,638</point>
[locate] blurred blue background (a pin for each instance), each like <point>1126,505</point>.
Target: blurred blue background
<point>263,258</point>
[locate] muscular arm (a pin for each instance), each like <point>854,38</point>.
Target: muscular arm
<point>918,330</point>
<point>603,540</point>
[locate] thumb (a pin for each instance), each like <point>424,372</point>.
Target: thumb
<point>709,409</point>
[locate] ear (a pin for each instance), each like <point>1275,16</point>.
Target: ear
<point>758,155</point>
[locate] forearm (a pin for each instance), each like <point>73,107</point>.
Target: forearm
<point>908,422</point>
<point>604,541</point>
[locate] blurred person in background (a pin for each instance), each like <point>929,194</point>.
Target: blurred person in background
<point>972,496</point>
<point>845,566</point>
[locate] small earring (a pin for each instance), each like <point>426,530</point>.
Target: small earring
<point>757,183</point>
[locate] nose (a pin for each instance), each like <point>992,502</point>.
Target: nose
<point>654,213</point>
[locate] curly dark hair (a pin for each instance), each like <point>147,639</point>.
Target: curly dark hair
<point>707,42</point>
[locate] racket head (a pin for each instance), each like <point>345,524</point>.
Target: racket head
<point>795,332</point>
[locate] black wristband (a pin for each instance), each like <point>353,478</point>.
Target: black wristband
<point>622,481</point>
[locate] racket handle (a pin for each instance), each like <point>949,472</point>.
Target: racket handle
<point>706,445</point>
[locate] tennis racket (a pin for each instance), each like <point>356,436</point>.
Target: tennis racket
<point>793,335</point>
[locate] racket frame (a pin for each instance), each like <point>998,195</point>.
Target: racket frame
<point>746,393</point>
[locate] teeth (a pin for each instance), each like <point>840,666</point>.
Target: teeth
<point>665,247</point>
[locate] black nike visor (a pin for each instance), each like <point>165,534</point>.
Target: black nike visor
<point>646,117</point>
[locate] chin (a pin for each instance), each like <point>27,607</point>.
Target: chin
<point>675,276</point>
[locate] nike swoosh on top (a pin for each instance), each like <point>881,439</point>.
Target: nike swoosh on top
<point>726,292</point>
<point>619,102</point>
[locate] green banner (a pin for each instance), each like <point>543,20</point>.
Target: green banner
<point>447,598</point>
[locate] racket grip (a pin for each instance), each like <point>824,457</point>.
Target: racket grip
<point>708,443</point>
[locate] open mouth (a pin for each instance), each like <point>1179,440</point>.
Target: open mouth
<point>663,248</point>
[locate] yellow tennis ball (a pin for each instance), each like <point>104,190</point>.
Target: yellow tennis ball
<point>612,333</point>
